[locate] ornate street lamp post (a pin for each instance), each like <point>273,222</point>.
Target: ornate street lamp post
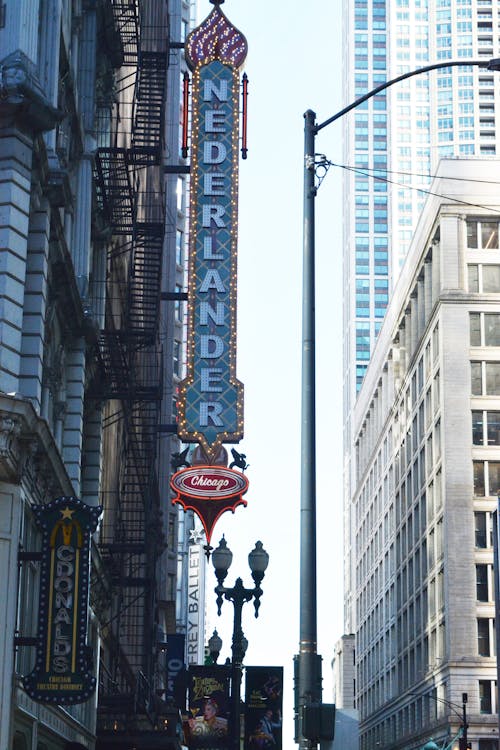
<point>258,560</point>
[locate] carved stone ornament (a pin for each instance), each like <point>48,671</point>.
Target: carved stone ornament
<point>21,95</point>
<point>10,448</point>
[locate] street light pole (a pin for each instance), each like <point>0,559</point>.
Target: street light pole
<point>463,742</point>
<point>258,560</point>
<point>308,662</point>
<point>308,681</point>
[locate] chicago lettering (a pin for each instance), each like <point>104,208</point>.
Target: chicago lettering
<point>201,481</point>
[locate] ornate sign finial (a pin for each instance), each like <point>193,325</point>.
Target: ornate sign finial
<point>216,39</point>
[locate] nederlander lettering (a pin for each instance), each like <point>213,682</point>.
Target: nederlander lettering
<point>212,346</point>
<point>211,397</point>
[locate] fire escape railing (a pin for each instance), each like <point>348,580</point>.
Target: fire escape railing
<point>128,183</point>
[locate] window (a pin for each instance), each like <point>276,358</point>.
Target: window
<point>20,741</point>
<point>381,297</point>
<point>484,277</point>
<point>177,358</point>
<point>485,705</point>
<point>492,378</point>
<point>179,246</point>
<point>178,304</point>
<point>473,277</point>
<point>485,591</point>
<point>485,636</point>
<point>362,254</point>
<point>171,531</point>
<point>480,530</point>
<point>493,477</point>
<point>488,745</point>
<point>476,378</point>
<point>180,194</point>
<point>485,378</point>
<point>486,427</point>
<point>482,234</point>
<point>362,341</point>
<point>486,478</point>
<point>360,374</point>
<point>490,278</point>
<point>29,584</point>
<point>362,298</point>
<point>479,486</point>
<point>484,329</point>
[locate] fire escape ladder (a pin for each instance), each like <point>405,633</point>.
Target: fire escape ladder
<point>117,382</point>
<point>129,195</point>
<point>115,195</point>
<point>145,281</point>
<point>126,20</point>
<point>149,106</point>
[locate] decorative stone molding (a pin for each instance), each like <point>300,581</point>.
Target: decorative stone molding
<point>28,452</point>
<point>10,447</point>
<point>21,96</point>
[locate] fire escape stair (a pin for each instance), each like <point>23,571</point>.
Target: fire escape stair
<point>145,281</point>
<point>126,22</point>
<point>130,359</point>
<point>115,196</point>
<point>149,105</point>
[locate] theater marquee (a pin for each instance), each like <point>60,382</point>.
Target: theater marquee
<point>211,397</point>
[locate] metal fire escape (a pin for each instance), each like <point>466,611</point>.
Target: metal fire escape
<point>129,196</point>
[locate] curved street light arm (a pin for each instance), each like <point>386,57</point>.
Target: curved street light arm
<point>493,64</point>
<point>446,702</point>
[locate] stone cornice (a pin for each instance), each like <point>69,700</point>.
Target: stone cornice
<point>22,99</point>
<point>28,452</point>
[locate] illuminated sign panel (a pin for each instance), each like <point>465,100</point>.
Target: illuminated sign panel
<point>63,668</point>
<point>211,397</point>
<point>209,491</point>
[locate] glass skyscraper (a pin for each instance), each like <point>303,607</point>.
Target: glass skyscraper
<point>394,141</point>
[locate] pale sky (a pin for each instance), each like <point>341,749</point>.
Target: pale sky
<point>293,65</point>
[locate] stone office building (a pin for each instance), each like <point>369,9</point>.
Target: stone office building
<point>427,425</point>
<point>86,343</point>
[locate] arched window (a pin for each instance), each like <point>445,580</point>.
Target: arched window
<point>20,741</point>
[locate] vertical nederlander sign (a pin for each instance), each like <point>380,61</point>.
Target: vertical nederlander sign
<point>63,668</point>
<point>211,397</point>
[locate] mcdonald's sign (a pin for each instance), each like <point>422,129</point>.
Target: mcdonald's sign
<point>63,672</point>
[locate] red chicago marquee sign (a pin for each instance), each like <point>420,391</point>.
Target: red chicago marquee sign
<point>209,491</point>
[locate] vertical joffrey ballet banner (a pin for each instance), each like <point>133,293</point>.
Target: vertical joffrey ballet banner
<point>211,397</point>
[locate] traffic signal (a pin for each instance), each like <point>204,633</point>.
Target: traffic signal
<point>318,721</point>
